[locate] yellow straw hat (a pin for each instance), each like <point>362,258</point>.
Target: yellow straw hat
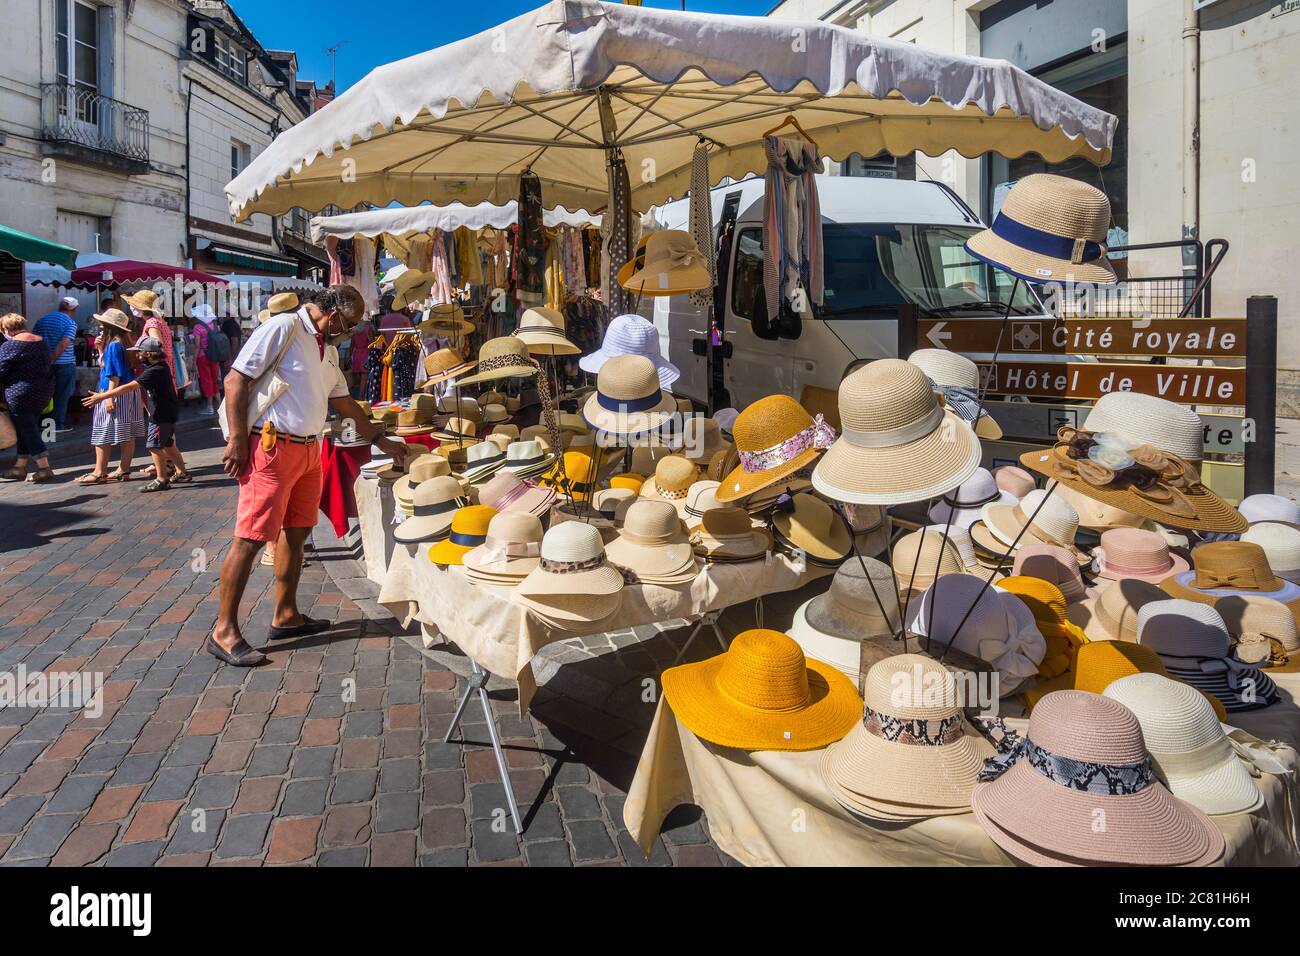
<point>673,265</point>
<point>469,528</point>
<point>762,694</point>
<point>775,439</point>
<point>1048,604</point>
<point>578,481</point>
<point>628,479</point>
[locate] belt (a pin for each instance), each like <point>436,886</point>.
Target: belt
<point>269,435</point>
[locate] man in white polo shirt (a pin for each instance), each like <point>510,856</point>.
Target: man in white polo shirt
<point>277,465</point>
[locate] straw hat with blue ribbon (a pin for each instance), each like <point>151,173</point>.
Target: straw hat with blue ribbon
<point>628,398</point>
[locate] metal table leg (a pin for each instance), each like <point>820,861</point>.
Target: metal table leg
<point>478,679</point>
<point>710,619</point>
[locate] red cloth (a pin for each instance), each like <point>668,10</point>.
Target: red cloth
<point>428,441</point>
<point>340,468</point>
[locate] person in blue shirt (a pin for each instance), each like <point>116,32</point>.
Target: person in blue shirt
<point>59,330</point>
<point>119,420</point>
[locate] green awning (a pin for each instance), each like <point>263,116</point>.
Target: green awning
<point>31,249</point>
<point>249,261</point>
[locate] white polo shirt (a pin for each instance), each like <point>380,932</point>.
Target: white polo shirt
<point>302,409</point>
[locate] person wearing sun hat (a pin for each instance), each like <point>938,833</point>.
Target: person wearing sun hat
<point>628,399</point>
<point>1135,553</point>
<point>468,529</point>
<point>775,440</point>
<point>543,330</point>
<point>899,443</point>
<point>809,525</point>
<point>1112,614</point>
<point>913,755</point>
<point>962,506</point>
<point>957,378</point>
<point>1046,602</point>
<point>574,582</point>
<point>434,504</point>
<point>855,620</point>
<point>652,545</point>
<point>1191,754</point>
<point>1055,564</point>
<point>1041,516</point>
<point>726,535</point>
<point>1263,632</point>
<point>1084,756</point>
<point>631,335</point>
<point>762,694</point>
<point>1224,568</point>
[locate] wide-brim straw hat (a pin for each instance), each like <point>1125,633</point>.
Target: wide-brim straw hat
<point>434,505</point>
<point>511,550</point>
<point>424,467</point>
<point>1041,821</point>
<point>572,612</point>
<point>812,526</point>
<point>468,530</point>
<point>913,754</point>
<point>1193,756</point>
<point>573,563</point>
<point>413,421</point>
<point>957,379</point>
<point>1112,615</point>
<point>1050,228</point>
<point>1264,632</point>
<point>507,493</point>
<point>543,329</point>
<point>763,694</point>
<point>673,265</point>
<point>1224,568</point>
<point>963,505</point>
<point>446,320</point>
<point>495,414</point>
<point>1053,522</point>
<point>446,364</point>
<point>727,534</point>
<point>899,444</point>
<point>146,300</point>
<point>577,479</point>
<point>775,439</point>
<point>482,461</point>
<point>832,626</point>
<point>652,542</point>
<point>630,334</point>
<point>919,557</point>
<point>1134,553</point>
<point>628,399</point>
<point>502,357</point>
<point>1149,420</point>
<point>114,317</point>
<point>412,286</point>
<point>527,459</point>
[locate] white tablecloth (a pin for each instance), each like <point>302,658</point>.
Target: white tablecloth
<point>375,506</point>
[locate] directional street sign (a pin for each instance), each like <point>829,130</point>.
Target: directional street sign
<point>1192,338</point>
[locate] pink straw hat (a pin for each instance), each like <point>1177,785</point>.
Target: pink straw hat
<point>1134,553</point>
<point>1014,480</point>
<point>1054,564</point>
<point>1084,760</point>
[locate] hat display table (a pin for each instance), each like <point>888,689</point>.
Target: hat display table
<point>769,808</point>
<point>375,507</point>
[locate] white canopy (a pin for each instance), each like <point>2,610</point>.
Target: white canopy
<point>556,89</point>
<point>407,220</point>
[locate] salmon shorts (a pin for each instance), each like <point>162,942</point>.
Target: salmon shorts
<point>279,489</point>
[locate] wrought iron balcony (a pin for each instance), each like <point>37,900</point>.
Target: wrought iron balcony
<point>89,126</point>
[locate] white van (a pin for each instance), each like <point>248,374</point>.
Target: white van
<point>887,242</point>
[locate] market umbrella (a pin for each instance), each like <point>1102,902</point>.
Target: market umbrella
<point>564,89</point>
<point>46,273</point>
<point>406,220</point>
<point>124,271</point>
<point>28,248</point>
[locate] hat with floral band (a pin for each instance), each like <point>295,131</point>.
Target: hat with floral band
<point>775,439</point>
<point>1263,631</point>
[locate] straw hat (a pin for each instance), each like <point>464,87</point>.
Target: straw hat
<point>412,286</point>
<point>502,357</point>
<point>468,530</point>
<point>673,266</point>
<point>965,502</point>
<point>1112,615</point>
<point>1054,522</point>
<point>672,480</point>
<point>434,503</point>
<point>775,439</point>
<point>1053,563</point>
<point>444,365</point>
<point>507,492</point>
<point>114,317</point>
<point>1223,568</point>
<point>1097,515</point>
<point>1134,553</point>
<point>1046,602</point>
<point>465,407</point>
<point>630,335</point>
<point>413,421</point>
<point>146,300</point>
<point>501,441</point>
<point>762,694</point>
<point>482,460</point>
<point>957,379</point>
<point>1192,640</point>
<point>629,480</point>
<point>833,626</point>
<point>456,429</point>
<point>899,444</point>
<point>1014,480</point>
<point>278,304</point>
<point>702,439</point>
<point>970,556</point>
<point>1264,632</point>
<point>701,497</point>
<point>628,399</point>
<point>526,459</point>
<point>1263,507</point>
<point>999,627</point>
<point>1084,756</point>
<point>445,319</point>
<point>1049,228</point>
<point>1148,420</point>
<point>422,468</point>
<point>871,525</point>
<point>1192,755</point>
<point>613,503</point>
<point>1281,544</point>
<point>390,469</point>
<point>810,525</point>
<point>913,755</point>
<point>494,413</point>
<point>652,543</point>
<point>727,535</point>
<point>509,553</point>
<point>916,557</point>
<point>578,480</point>
<point>543,329</point>
<point>574,581</point>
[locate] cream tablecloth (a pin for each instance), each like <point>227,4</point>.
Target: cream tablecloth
<point>772,809</point>
<point>375,506</point>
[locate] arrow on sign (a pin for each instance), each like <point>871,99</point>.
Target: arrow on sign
<point>937,336</point>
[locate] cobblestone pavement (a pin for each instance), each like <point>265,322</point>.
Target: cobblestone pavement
<point>194,763</point>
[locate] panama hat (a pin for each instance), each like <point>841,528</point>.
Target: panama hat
<point>1055,564</point>
<point>673,266</point>
<point>1148,420</point>
<point>468,530</point>
<point>146,300</point>
<point>630,335</point>
<point>502,441</point>
<point>1266,507</point>
<point>1192,755</point>
<point>433,506</point>
<point>413,421</point>
<point>920,556</point>
<point>775,439</point>
<point>494,413</point>
<point>482,461</point>
<point>1281,544</point>
<point>1054,522</point>
<point>502,357</point>
<point>464,407</point>
<point>762,694</point>
<point>652,543</point>
<point>970,556</point>
<point>1084,756</point>
<point>508,431</point>
<point>1134,553</point>
<point>509,553</point>
<point>573,565</point>
<point>1050,228</point>
<point>860,606</point>
<point>957,378</point>
<point>391,469</point>
<point>1014,480</point>
<point>899,444</point>
<point>965,502</point>
<point>914,754</point>
<point>612,503</point>
<point>525,459</point>
<point>114,317</point>
<point>1046,602</point>
<point>727,535</point>
<point>505,491</point>
<point>412,286</point>
<point>422,468</point>
<point>1264,632</point>
<point>810,525</point>
<point>672,481</point>
<point>454,430</point>
<point>278,304</point>
<point>444,365</point>
<point>1192,639</point>
<point>701,497</point>
<point>543,330</point>
<point>1112,614</point>
<point>966,613</point>
<point>628,399</point>
<point>445,319</point>
<point>1224,568</point>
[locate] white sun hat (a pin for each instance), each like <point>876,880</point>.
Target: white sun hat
<point>1256,508</point>
<point>574,581</point>
<point>1192,755</point>
<point>967,500</point>
<point>1147,420</point>
<point>631,335</point>
<point>1281,543</point>
<point>1053,522</point>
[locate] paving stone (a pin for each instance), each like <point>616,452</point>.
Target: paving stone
<point>401,774</point>
<point>343,856</point>
<point>397,811</point>
<point>215,791</point>
<point>78,792</point>
<point>103,757</point>
<point>16,812</point>
<point>578,803</point>
<point>493,840</point>
<point>547,853</point>
<point>135,854</point>
<point>85,845</point>
<point>353,786</point>
<point>270,760</point>
<point>136,768</point>
<point>293,841</point>
<point>313,762</point>
<point>43,836</point>
<point>191,752</point>
<point>363,724</point>
<point>393,849</point>
<point>304,797</point>
<point>590,841</point>
<point>243,835</point>
<point>190,838</point>
<point>172,783</point>
<point>349,825</point>
<point>282,730</point>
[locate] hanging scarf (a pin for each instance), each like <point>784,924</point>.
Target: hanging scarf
<point>618,238</point>
<point>530,269</point>
<point>792,234</point>
<point>702,221</point>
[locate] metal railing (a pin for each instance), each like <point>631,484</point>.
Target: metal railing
<point>73,114</point>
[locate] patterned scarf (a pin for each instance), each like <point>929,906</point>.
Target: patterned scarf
<point>792,233</point>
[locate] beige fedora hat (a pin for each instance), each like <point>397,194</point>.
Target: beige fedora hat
<point>1054,522</point>
<point>573,564</point>
<point>700,498</point>
<point>464,407</point>
<point>446,364</point>
<point>628,399</point>
<point>421,469</point>
<point>411,287</point>
<point>1148,420</point>
<point>652,543</point>
<point>673,265</point>
<point>1050,228</point>
<point>434,504</point>
<point>899,444</point>
<point>1113,614</point>
<point>482,461</point>
<point>278,304</point>
<point>543,330</point>
<point>502,357</point>
<point>446,319</point>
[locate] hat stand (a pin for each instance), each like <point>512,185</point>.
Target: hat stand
<point>477,684</point>
<point>997,348</point>
<point>943,543</point>
<point>708,619</point>
<point>901,634</point>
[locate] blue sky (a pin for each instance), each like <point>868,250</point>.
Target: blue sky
<point>386,30</point>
